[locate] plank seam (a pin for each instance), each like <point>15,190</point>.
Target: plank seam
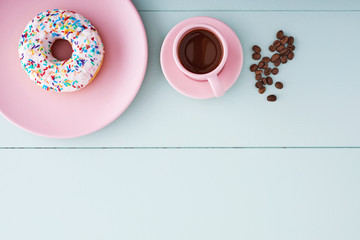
<point>249,10</point>
<point>150,148</point>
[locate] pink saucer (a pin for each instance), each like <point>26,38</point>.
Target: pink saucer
<point>65,115</point>
<point>201,89</point>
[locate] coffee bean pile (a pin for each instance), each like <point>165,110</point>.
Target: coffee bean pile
<point>284,48</point>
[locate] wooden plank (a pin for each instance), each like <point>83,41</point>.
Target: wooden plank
<point>315,108</point>
<point>246,5</point>
<point>179,194</point>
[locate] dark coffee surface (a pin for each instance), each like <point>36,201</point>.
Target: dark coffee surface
<point>200,51</point>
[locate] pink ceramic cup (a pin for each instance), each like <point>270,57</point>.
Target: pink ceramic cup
<point>212,76</point>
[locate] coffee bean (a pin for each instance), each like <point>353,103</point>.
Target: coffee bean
<point>258,77</point>
<point>291,55</point>
<point>284,48</point>
<point>267,71</point>
<point>262,90</point>
<point>266,59</point>
<point>291,47</point>
<point>253,67</point>
<point>284,40</point>
<point>279,48</point>
<point>256,56</point>
<point>290,40</point>
<point>259,84</point>
<point>279,85</point>
<point>274,57</point>
<point>271,98</point>
<point>256,49</point>
<point>276,43</point>
<point>284,51</point>
<point>261,64</point>
<point>277,62</point>
<point>275,71</point>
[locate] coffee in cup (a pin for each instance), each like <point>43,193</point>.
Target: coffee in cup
<point>200,51</point>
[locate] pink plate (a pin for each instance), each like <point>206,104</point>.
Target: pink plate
<point>201,89</point>
<point>66,115</point>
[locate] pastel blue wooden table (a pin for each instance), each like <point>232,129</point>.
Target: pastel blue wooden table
<point>237,167</point>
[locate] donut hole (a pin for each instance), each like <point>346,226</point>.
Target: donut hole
<point>61,49</point>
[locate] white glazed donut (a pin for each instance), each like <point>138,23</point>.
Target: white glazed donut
<point>49,72</point>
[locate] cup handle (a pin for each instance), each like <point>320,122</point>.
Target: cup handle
<point>216,86</point>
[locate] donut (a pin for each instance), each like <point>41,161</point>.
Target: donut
<point>43,68</point>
